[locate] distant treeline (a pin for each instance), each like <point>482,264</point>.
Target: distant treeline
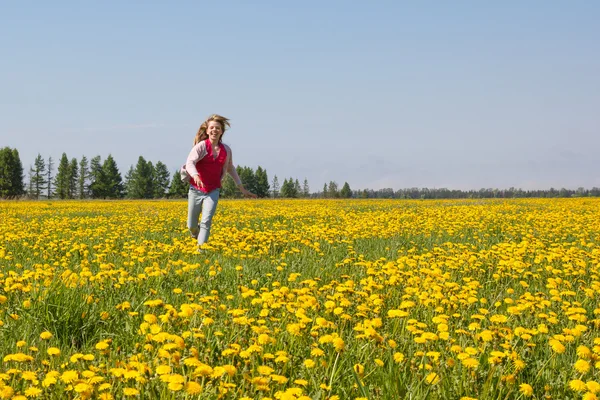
<point>443,193</point>
<point>101,179</point>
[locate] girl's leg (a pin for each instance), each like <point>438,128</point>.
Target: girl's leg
<point>209,206</point>
<point>194,208</point>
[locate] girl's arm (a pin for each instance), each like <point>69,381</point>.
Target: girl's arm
<point>197,153</point>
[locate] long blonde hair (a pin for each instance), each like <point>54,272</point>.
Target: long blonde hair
<point>202,135</point>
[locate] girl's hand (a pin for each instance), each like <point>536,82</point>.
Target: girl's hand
<point>198,182</point>
<point>247,193</point>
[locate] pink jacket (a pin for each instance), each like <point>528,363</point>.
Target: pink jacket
<point>197,153</point>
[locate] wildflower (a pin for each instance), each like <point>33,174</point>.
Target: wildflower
<point>33,392</point>
<point>578,385</point>
<point>45,335</point>
<point>69,376</point>
<point>582,366</point>
<point>264,370</point>
<point>338,344</point>
<point>432,378</point>
<point>131,392</point>
<point>53,351</point>
<point>359,369</point>
<point>193,388</point>
<point>557,346</point>
<point>526,389</point>
<point>593,386</point>
<point>584,352</point>
<point>470,362</point>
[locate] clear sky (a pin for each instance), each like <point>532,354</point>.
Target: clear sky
<point>464,94</point>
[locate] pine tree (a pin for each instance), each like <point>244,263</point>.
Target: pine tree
<point>114,185</point>
<point>297,188</point>
<point>49,177</point>
<point>17,178</point>
<point>128,182</point>
<point>5,171</point>
<point>332,191</point>
<point>30,186</point>
<point>275,189</point>
<point>305,189</point>
<point>262,182</point>
<point>37,181</point>
<point>97,180</point>
<point>346,193</point>
<point>285,189</point>
<point>61,180</point>
<point>84,174</point>
<point>288,189</point>
<point>141,180</point>
<point>178,188</point>
<point>247,177</point>
<point>73,177</point>
<point>161,180</point>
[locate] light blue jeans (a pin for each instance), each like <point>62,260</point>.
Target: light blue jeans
<point>207,204</point>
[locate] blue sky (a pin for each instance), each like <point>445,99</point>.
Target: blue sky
<point>460,95</point>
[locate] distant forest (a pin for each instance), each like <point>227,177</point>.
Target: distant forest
<point>102,179</point>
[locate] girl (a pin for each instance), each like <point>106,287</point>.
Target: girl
<point>205,168</point>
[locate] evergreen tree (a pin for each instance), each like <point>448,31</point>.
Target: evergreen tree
<point>275,189</point>
<point>49,177</point>
<point>17,176</point>
<point>288,189</point>
<point>262,182</point>
<point>30,186</point>
<point>305,189</point>
<point>61,180</point>
<point>114,185</point>
<point>285,189</point>
<point>6,163</point>
<point>141,180</point>
<point>97,180</point>
<point>11,173</point>
<point>127,182</point>
<point>37,181</point>
<point>346,193</point>
<point>332,190</point>
<point>247,177</point>
<point>161,180</point>
<point>73,178</point>
<point>297,189</point>
<point>84,175</point>
<point>178,188</point>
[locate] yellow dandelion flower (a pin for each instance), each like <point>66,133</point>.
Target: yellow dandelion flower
<point>578,385</point>
<point>432,378</point>
<point>526,389</point>
<point>193,388</point>
<point>53,351</point>
<point>582,366</point>
<point>593,386</point>
<point>130,392</point>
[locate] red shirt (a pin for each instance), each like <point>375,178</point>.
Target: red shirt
<point>210,168</point>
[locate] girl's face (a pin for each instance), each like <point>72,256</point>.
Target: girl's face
<point>214,131</point>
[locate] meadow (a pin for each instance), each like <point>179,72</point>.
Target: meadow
<point>301,299</point>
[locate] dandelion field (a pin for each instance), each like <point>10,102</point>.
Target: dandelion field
<point>302,299</point>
